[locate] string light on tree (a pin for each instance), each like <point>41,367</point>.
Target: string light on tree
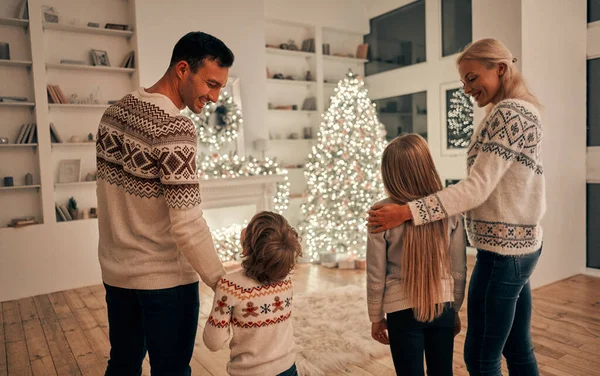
<point>460,120</point>
<point>216,166</point>
<point>343,173</point>
<point>227,118</point>
<point>227,242</point>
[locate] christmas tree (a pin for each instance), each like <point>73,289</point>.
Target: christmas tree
<point>343,173</point>
<point>460,120</point>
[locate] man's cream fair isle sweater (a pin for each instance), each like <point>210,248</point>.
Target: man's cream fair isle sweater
<point>152,232</point>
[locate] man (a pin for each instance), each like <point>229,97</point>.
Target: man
<point>154,240</point>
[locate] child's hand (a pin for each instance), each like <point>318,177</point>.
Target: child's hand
<point>379,332</point>
<point>457,324</point>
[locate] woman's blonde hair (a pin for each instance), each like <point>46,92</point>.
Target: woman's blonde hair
<point>271,247</point>
<point>408,174</point>
<point>492,52</point>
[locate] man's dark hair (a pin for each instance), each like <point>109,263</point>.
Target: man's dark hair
<point>196,46</point>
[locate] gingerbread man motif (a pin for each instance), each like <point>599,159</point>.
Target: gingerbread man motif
<point>277,305</point>
<point>250,310</point>
<point>222,304</point>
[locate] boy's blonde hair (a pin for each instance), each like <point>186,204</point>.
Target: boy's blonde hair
<point>492,52</point>
<point>271,247</point>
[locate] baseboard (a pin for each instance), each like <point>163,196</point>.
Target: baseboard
<point>591,272</point>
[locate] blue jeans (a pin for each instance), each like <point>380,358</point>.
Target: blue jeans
<point>499,314</point>
<point>162,322</point>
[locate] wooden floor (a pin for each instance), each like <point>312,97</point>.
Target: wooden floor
<point>66,333</point>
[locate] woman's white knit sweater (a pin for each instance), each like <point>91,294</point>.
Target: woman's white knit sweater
<point>503,196</point>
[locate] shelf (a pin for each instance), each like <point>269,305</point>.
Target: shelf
<point>14,22</point>
<point>276,111</point>
<point>71,105</point>
<point>87,30</point>
<point>79,183</point>
<point>291,82</point>
<point>279,51</point>
<point>297,140</point>
<point>297,196</point>
<point>73,144</point>
<point>90,68</point>
<point>20,187</point>
<point>345,59</point>
<point>15,63</point>
<point>17,104</point>
<point>17,146</point>
<point>82,220</point>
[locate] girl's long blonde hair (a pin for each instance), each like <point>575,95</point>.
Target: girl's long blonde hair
<point>408,174</point>
<point>492,52</point>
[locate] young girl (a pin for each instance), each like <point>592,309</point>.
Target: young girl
<point>504,200</point>
<point>415,275</point>
<point>257,301</point>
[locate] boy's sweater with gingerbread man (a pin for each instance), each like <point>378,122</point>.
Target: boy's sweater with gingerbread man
<point>260,318</point>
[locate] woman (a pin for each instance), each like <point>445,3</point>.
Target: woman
<point>504,200</point>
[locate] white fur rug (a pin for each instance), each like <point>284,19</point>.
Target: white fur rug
<point>332,330</point>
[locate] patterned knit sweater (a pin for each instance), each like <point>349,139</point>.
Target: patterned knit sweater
<point>504,194</point>
<point>385,293</point>
<point>259,316</point>
<point>152,231</point>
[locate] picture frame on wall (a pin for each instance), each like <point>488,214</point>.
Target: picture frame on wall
<point>100,58</point>
<point>455,142</point>
<point>69,171</point>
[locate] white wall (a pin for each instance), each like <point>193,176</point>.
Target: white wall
<point>554,64</point>
<point>499,20</point>
<point>239,24</point>
<point>593,40</point>
<point>340,14</point>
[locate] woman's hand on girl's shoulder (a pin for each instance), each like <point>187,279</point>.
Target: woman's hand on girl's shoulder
<point>383,217</point>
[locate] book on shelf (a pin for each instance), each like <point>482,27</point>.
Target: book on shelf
<point>129,60</point>
<point>54,136</point>
<point>362,51</point>
<point>22,10</point>
<point>55,94</point>
<point>11,99</point>
<point>62,213</point>
<point>27,134</point>
<point>22,222</point>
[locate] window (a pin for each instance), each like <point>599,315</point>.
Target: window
<point>457,27</point>
<point>397,39</point>
<point>593,224</point>
<point>403,114</point>
<point>593,98</point>
<point>593,10</point>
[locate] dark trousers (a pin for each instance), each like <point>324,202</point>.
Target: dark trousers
<point>162,322</point>
<point>410,338</point>
<point>290,371</point>
<point>499,313</point>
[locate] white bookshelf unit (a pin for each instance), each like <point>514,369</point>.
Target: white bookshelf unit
<point>37,51</point>
<point>286,126</point>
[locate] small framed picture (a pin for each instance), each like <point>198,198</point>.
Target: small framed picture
<point>69,171</point>
<point>100,57</point>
